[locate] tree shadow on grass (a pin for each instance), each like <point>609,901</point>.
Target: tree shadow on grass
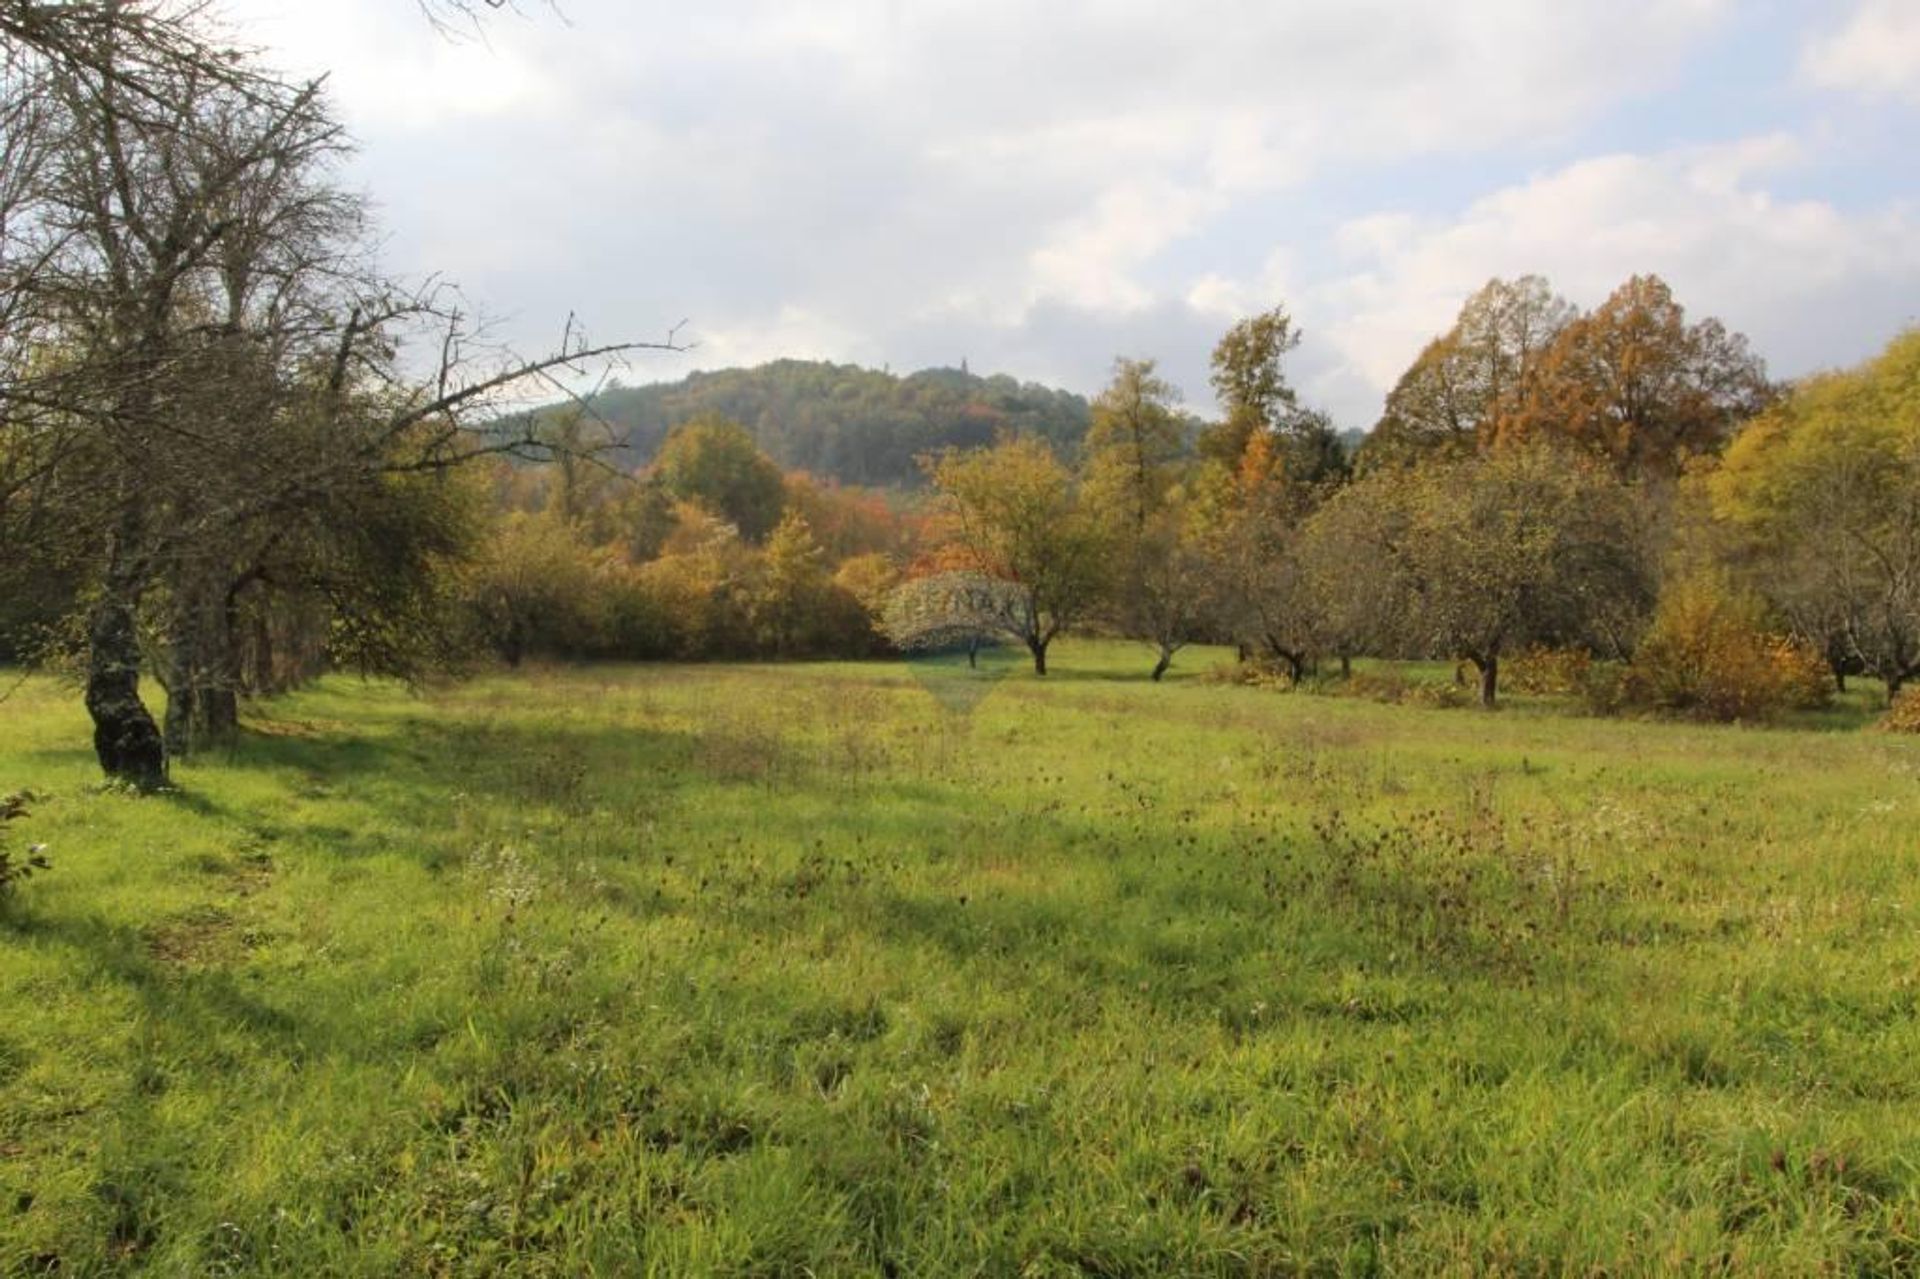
<point>188,1003</point>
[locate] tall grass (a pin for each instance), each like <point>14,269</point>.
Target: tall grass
<point>793,969</point>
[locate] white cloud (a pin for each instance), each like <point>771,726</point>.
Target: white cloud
<point>794,333</point>
<point>389,71</point>
<point>1877,51</point>
<point>1043,186</point>
<point>1811,283</point>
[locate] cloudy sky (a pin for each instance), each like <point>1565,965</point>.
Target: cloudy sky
<point>1037,188</point>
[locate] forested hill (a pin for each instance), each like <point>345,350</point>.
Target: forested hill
<point>855,425</point>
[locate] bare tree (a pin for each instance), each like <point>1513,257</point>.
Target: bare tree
<point>207,381</point>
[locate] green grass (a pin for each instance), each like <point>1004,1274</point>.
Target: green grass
<point>790,969</point>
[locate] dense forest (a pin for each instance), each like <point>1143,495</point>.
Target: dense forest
<point>840,421</point>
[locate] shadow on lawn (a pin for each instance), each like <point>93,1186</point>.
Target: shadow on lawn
<point>189,1004</point>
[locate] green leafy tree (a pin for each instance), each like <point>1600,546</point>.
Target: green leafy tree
<point>1250,382</point>
<point>1017,514</point>
<point>1822,494</point>
<point>1482,555</point>
<point>1132,492</point>
<point>715,462</point>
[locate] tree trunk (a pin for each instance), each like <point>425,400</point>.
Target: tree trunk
<point>177,723</point>
<point>1346,666</point>
<point>180,725</point>
<point>1039,650</point>
<point>1166,660</point>
<point>220,697</point>
<point>1489,679</point>
<point>1296,662</point>
<point>125,738</point>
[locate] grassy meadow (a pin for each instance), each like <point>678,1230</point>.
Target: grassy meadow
<point>809,970</point>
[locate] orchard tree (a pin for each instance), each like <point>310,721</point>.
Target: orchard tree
<point>1248,525</point>
<point>1485,554</point>
<point>1823,491</point>
<point>952,609</point>
<point>1133,473</point>
<point>1018,516</point>
<point>198,362</point>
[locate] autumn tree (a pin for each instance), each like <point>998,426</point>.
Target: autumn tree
<point>1017,513</point>
<point>794,592</point>
<point>538,590</point>
<point>1823,494</point>
<point>1455,391</point>
<point>1249,380</point>
<point>869,578</point>
<point>1131,489</point>
<point>1247,524</point>
<point>1484,554</point>
<point>716,463</point>
<point>1637,384</point>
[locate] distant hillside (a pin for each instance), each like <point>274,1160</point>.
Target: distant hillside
<point>854,425</point>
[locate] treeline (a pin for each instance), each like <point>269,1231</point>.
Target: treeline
<point>838,421</point>
<point>1620,495</point>
<point>1620,499</point>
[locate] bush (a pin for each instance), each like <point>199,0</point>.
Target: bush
<point>1804,672</point>
<point>1603,688</point>
<point>1904,715</point>
<point>1394,688</point>
<point>1253,672</point>
<point>1710,655</point>
<point>12,871</point>
<point>1549,672</point>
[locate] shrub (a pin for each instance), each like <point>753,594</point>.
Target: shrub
<point>1710,655</point>
<point>1804,672</point>
<point>1446,696</point>
<point>1603,688</point>
<point>1253,672</point>
<point>12,872</point>
<point>1552,672</point>
<point>1904,715</point>
<point>1394,688</point>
